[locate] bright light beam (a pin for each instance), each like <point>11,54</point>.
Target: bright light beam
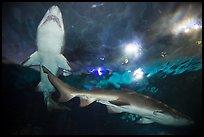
<point>132,49</point>
<point>99,72</point>
<point>186,25</point>
<point>138,74</point>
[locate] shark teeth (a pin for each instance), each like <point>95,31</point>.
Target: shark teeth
<point>54,18</point>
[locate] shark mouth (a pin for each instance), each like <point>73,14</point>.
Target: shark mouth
<point>54,18</point>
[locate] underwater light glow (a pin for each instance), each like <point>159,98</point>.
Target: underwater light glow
<point>138,74</point>
<point>126,61</point>
<point>90,69</point>
<point>196,26</point>
<point>130,48</point>
<point>133,49</point>
<point>96,5</point>
<point>102,58</point>
<point>186,30</point>
<point>186,25</point>
<point>99,71</point>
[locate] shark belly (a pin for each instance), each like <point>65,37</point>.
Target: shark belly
<point>49,60</point>
<point>50,42</point>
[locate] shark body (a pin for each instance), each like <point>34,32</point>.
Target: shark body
<point>50,43</point>
<point>117,101</point>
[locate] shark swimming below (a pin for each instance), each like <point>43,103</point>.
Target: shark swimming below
<point>50,42</point>
<point>118,101</point>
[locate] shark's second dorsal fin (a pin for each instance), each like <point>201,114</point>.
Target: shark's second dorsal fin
<point>85,102</point>
<point>119,102</point>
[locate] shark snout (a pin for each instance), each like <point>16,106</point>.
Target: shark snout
<point>53,14</point>
<point>184,121</point>
<point>54,10</point>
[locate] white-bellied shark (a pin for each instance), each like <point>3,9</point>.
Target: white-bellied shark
<point>50,43</point>
<point>117,101</point>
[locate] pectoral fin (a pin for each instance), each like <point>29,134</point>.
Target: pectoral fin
<point>144,121</point>
<point>32,60</point>
<point>86,102</point>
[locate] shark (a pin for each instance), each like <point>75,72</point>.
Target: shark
<point>117,101</point>
<point>50,41</point>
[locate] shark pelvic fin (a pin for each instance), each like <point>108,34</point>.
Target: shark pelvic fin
<point>32,60</point>
<point>86,102</point>
<point>144,121</point>
<point>63,63</point>
<point>119,102</point>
